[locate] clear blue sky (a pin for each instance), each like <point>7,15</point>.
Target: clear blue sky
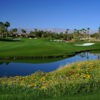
<point>51,13</point>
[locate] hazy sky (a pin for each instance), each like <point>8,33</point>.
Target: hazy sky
<point>51,13</point>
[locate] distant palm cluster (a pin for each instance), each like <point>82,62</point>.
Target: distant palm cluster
<point>82,34</point>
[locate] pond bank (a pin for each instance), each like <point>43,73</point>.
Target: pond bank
<point>25,67</point>
<point>45,57</point>
<point>72,79</point>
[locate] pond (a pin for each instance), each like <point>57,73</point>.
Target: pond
<point>22,69</point>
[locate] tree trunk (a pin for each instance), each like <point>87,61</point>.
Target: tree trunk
<point>99,34</point>
<point>2,35</point>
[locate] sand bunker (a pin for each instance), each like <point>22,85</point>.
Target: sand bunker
<point>85,44</point>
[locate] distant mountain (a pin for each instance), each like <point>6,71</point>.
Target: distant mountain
<point>93,31</point>
<point>55,30</point>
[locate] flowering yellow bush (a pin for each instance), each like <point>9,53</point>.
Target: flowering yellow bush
<point>69,74</point>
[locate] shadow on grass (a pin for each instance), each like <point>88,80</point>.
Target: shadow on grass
<point>10,40</point>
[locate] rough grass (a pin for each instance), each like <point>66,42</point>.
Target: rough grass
<point>41,47</point>
<point>81,78</point>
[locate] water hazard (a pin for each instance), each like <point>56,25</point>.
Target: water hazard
<point>22,69</point>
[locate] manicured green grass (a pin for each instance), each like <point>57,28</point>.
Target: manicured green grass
<point>47,60</point>
<point>77,81</point>
<point>23,95</point>
<point>40,47</point>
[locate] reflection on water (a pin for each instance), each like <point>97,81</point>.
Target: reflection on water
<point>13,69</point>
<point>89,55</point>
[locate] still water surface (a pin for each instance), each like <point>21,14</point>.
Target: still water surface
<point>22,69</point>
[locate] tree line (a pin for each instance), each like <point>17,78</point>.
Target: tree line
<point>76,34</point>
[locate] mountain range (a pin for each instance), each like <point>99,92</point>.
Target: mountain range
<point>55,30</point>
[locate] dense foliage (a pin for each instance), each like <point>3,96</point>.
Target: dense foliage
<point>79,34</point>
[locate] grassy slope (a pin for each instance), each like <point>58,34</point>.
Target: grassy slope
<point>78,81</point>
<point>28,96</point>
<point>40,47</point>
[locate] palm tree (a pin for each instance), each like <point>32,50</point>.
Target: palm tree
<point>81,34</point>
<point>99,32</point>
<point>23,31</point>
<point>74,34</point>
<point>2,29</point>
<point>66,34</point>
<point>14,30</point>
<point>67,30</point>
<point>7,24</point>
<point>84,32</point>
<point>88,29</point>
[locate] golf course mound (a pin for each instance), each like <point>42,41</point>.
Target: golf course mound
<point>41,48</point>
